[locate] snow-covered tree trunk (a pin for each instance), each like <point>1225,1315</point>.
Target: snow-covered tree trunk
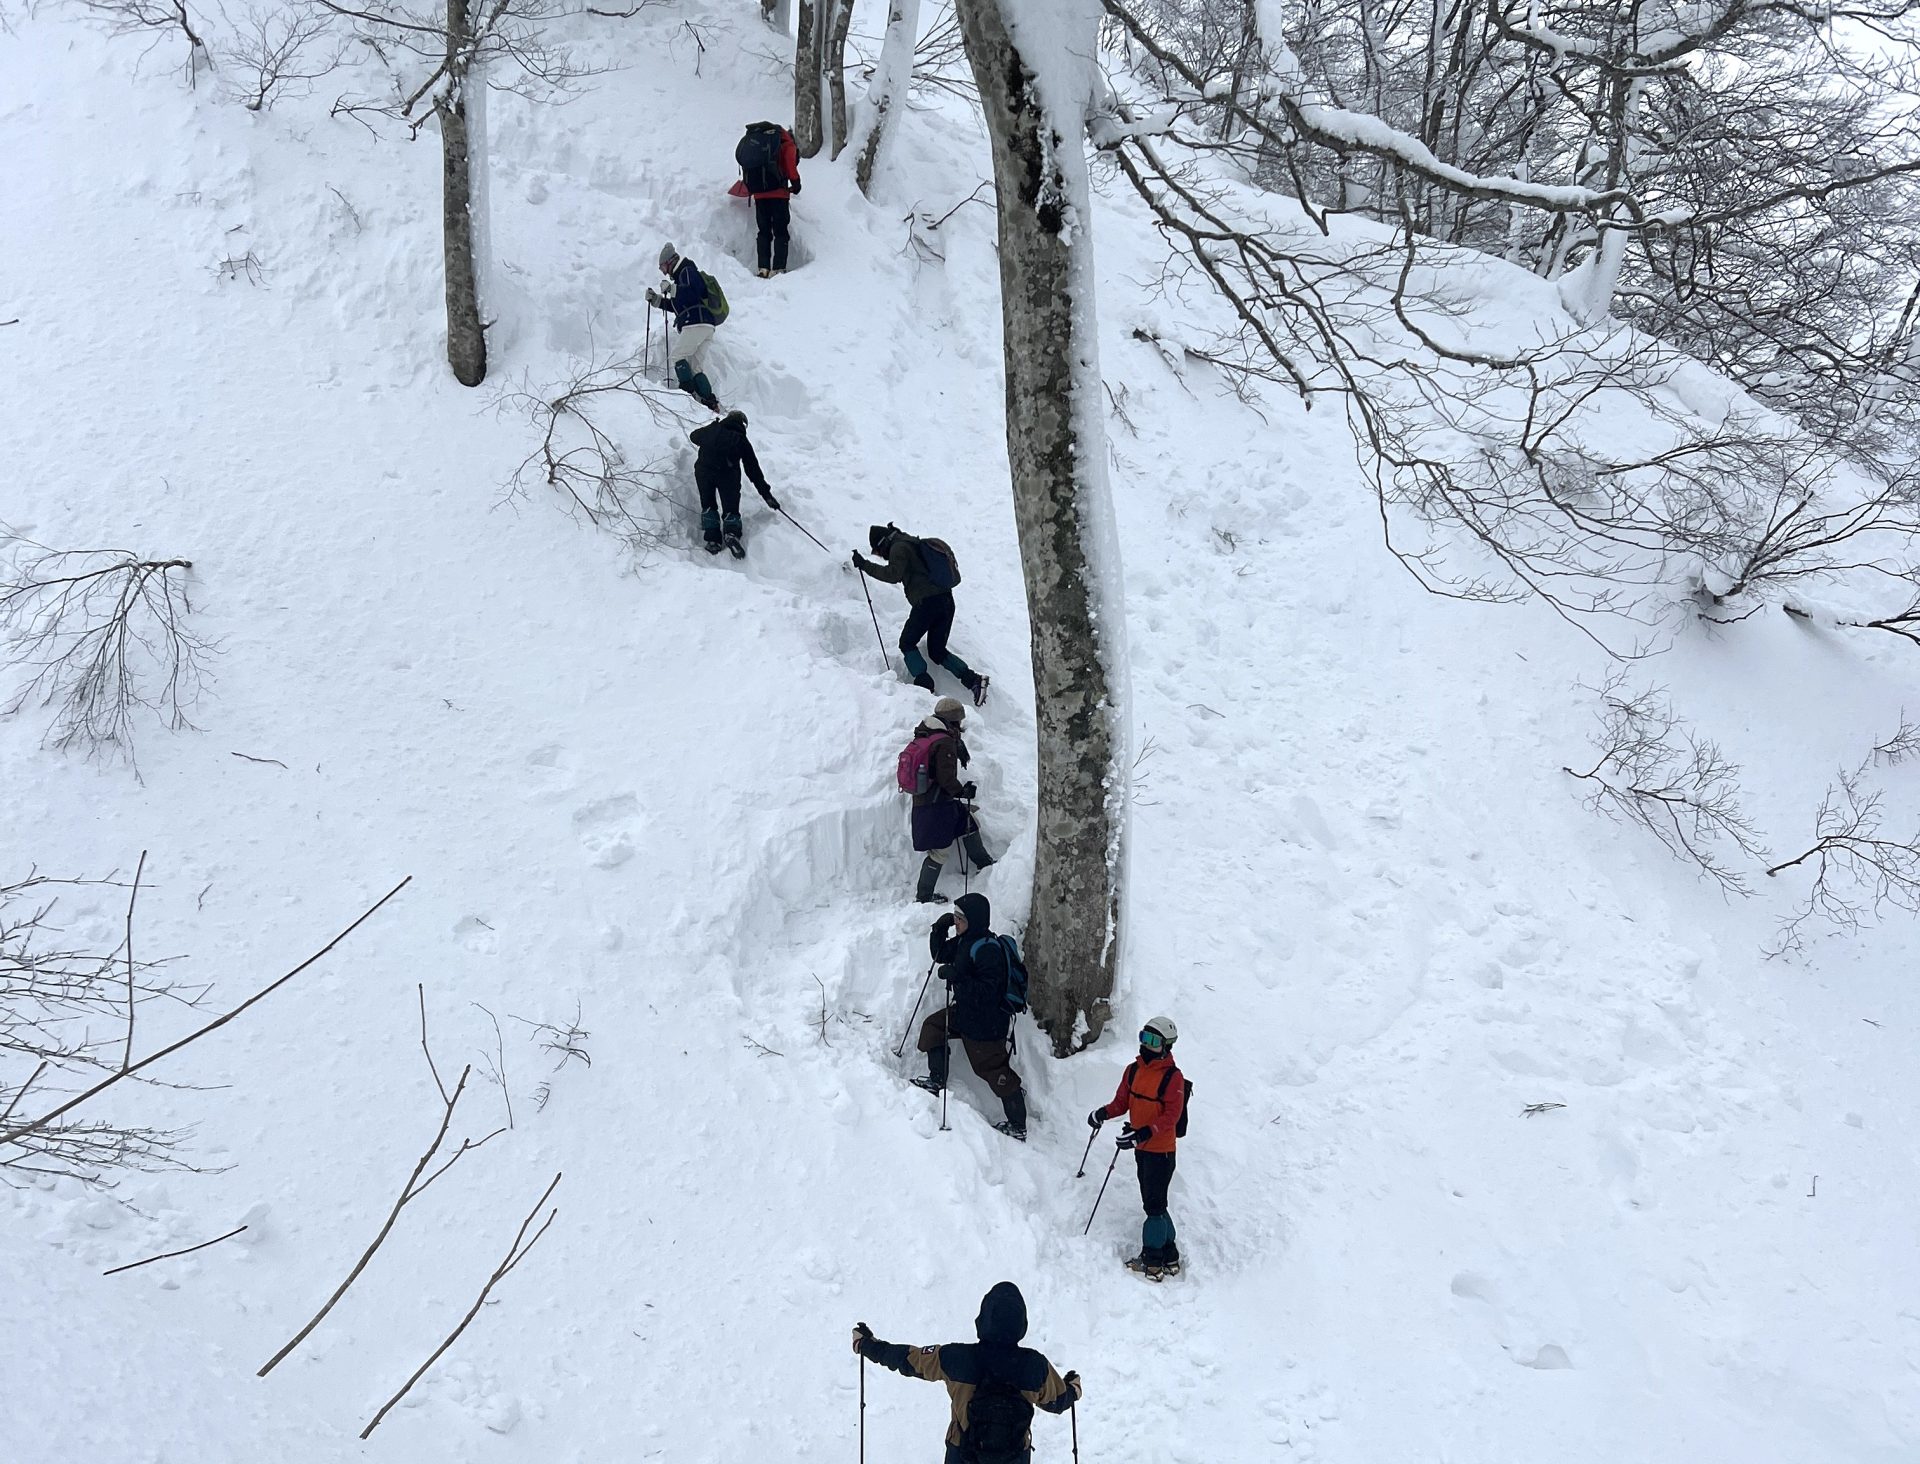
<point>808,48</point>
<point>889,90</point>
<point>466,339</point>
<point>1032,60</point>
<point>835,66</point>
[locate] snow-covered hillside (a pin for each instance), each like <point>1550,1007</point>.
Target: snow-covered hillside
<point>661,797</point>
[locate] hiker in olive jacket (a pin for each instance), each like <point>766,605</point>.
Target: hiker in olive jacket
<point>930,612</point>
<point>943,816</point>
<point>994,1384</point>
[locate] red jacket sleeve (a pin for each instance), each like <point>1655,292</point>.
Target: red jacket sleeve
<point>1118,1107</point>
<point>790,158</point>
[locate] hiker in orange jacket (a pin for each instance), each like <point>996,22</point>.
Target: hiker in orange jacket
<point>1153,1096</point>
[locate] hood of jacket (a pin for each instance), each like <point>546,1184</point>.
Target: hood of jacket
<point>1003,1310</point>
<point>979,923</point>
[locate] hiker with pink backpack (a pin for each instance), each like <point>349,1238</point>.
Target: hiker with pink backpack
<point>929,769</point>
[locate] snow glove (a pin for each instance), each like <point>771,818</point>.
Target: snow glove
<point>793,187</point>
<point>1130,1136</point>
<point>770,501</point>
<point>1096,1118</point>
<point>862,1335</point>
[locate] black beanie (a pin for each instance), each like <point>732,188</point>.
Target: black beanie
<point>877,536</point>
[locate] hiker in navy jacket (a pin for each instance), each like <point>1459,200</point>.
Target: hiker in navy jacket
<point>694,321</point>
<point>974,964</point>
<point>993,1384</point>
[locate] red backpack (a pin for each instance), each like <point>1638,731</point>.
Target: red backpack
<point>914,769</point>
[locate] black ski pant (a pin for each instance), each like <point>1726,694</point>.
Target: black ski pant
<point>932,618</point>
<point>770,216</point>
<point>728,496</point>
<point>1156,1235</point>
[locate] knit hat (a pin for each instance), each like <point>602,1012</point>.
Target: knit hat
<point>736,418</point>
<point>668,255</point>
<point>950,711</point>
<point>877,536</point>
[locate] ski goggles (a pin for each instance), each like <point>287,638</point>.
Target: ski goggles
<point>1152,1040</point>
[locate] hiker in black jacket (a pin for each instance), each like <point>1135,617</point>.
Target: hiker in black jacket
<point>973,962</point>
<point>724,450</point>
<point>994,1384</point>
<point>931,612</point>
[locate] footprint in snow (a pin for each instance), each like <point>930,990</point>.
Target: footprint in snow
<point>476,935</point>
<point>607,830</point>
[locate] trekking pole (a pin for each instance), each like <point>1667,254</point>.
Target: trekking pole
<point>1103,1189</point>
<point>901,1050</point>
<point>1082,1172</point>
<point>885,659</point>
<point>803,529</point>
<point>1073,1417</point>
<point>863,1414</point>
<point>946,1041</point>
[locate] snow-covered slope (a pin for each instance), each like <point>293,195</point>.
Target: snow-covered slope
<point>661,798</point>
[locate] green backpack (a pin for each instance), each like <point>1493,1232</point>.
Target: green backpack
<point>717,305</point>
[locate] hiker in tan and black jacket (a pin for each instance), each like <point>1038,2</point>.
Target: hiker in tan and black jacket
<point>994,1384</point>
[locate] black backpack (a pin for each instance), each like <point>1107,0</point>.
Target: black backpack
<point>999,1420</point>
<point>1186,1108</point>
<point>939,563</point>
<point>759,157</point>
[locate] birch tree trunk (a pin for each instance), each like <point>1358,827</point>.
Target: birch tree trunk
<point>466,340</point>
<point>836,69</point>
<point>890,80</point>
<point>807,48</point>
<point>1055,447</point>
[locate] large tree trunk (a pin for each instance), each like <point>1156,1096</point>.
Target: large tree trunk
<point>836,69</point>
<point>888,94</point>
<point>1036,115</point>
<point>807,47</point>
<point>466,340</point>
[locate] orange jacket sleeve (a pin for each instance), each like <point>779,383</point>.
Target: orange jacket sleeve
<point>1120,1095</point>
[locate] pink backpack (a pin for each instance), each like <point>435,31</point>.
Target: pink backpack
<point>914,771</point>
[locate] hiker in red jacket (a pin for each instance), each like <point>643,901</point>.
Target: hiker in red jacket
<point>1153,1096</point>
<point>770,167</point>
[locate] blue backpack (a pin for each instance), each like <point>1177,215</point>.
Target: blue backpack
<point>1016,992</point>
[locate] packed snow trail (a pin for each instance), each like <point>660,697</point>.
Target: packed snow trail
<point>662,800</point>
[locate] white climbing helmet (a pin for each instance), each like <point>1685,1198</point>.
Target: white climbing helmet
<point>1163,1028</point>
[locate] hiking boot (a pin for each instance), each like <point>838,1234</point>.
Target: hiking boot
<point>925,682</point>
<point>979,690</point>
<point>1153,1270</point>
<point>1011,1132</point>
<point>765,274</point>
<point>929,877</point>
<point>977,854</point>
<point>931,1084</point>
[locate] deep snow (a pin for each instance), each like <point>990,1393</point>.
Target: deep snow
<point>1360,881</point>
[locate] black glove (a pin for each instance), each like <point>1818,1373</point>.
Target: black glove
<point>944,923</point>
<point>859,563</point>
<point>1096,1118</point>
<point>794,187</point>
<point>862,1335</point>
<point>771,502</point>
<point>1130,1136</point>
<point>1072,1380</point>
<point>967,790</point>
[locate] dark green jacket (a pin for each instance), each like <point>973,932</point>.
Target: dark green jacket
<point>904,567</point>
